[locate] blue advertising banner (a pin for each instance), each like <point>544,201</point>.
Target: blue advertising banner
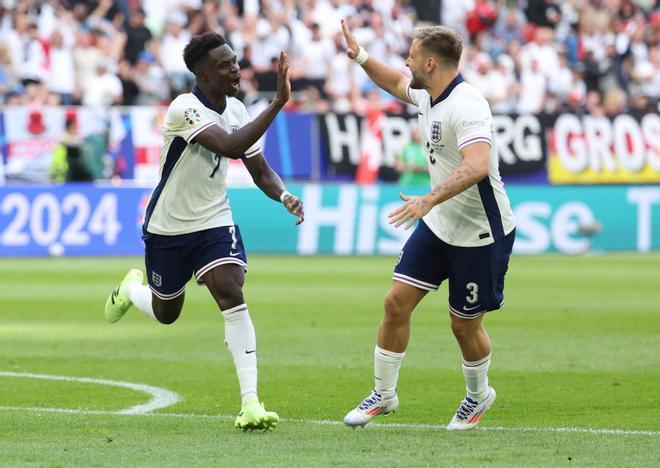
<point>75,219</point>
<point>339,219</point>
<point>288,145</point>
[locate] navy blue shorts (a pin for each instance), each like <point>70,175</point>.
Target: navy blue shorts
<point>172,260</point>
<point>476,274</point>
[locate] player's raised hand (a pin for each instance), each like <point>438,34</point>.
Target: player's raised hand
<point>352,47</point>
<point>414,208</point>
<point>295,207</point>
<point>283,83</point>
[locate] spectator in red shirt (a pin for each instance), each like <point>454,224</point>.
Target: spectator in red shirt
<point>481,18</point>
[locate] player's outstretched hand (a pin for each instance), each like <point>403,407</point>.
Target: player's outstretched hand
<point>283,83</point>
<point>352,47</point>
<point>295,207</point>
<point>414,209</point>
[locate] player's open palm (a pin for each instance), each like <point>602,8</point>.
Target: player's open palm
<point>295,207</point>
<point>283,83</point>
<point>352,47</point>
<point>414,209</point>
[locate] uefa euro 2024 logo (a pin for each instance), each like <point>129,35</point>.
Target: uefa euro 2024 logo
<point>192,116</point>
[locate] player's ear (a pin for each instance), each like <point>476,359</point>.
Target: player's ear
<point>200,75</point>
<point>199,69</point>
<point>431,64</point>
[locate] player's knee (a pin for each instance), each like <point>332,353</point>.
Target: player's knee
<point>167,314</point>
<point>463,328</point>
<point>231,298</point>
<point>395,308</point>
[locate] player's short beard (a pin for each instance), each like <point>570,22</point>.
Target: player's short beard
<point>415,82</point>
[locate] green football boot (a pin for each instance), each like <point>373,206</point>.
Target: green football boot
<point>118,303</point>
<point>253,416</point>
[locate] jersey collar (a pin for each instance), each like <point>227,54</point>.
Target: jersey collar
<point>445,94</point>
<point>198,93</point>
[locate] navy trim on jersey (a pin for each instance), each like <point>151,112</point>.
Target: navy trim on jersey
<point>490,207</point>
<point>198,93</point>
<point>173,154</point>
<point>445,94</point>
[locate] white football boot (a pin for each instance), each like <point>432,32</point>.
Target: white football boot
<point>469,412</point>
<point>371,406</point>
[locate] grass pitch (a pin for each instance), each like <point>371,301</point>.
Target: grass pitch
<point>576,367</point>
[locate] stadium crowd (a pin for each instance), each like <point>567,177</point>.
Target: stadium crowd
<point>598,56</point>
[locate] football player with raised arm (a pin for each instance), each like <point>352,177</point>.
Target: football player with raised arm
<point>188,227</point>
<point>465,226</point>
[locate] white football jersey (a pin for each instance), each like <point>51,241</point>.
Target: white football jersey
<point>460,116</point>
<point>192,193</point>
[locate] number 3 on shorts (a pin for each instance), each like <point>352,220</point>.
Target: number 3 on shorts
<point>473,293</point>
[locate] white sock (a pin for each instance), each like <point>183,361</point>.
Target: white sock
<point>242,344</point>
<point>476,378</point>
<point>386,371</point>
<point>140,296</point>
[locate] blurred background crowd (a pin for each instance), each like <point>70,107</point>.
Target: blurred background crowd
<point>533,56</point>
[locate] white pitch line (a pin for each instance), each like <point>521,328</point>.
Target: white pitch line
<point>325,422</point>
<point>160,397</point>
<point>427,427</point>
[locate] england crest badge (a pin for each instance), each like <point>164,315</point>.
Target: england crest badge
<point>436,131</point>
<point>157,279</point>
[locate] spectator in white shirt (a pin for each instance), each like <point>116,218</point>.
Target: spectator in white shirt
<point>62,74</point>
<point>400,26</point>
<point>102,90</point>
<point>85,57</point>
<point>543,51</point>
<point>27,51</point>
<point>328,13</point>
<point>561,83</point>
<point>317,57</point>
<point>454,14</point>
<point>506,103</point>
<point>172,43</point>
<point>532,89</point>
<point>339,83</point>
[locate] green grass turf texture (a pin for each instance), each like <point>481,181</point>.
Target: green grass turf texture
<point>577,345</point>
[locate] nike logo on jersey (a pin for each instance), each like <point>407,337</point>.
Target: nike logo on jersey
<point>233,254</point>
<point>467,309</point>
<point>420,113</point>
<point>250,352</point>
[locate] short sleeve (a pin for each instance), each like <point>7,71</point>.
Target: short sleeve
<point>186,119</point>
<point>414,95</point>
<point>472,122</point>
<point>256,148</point>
